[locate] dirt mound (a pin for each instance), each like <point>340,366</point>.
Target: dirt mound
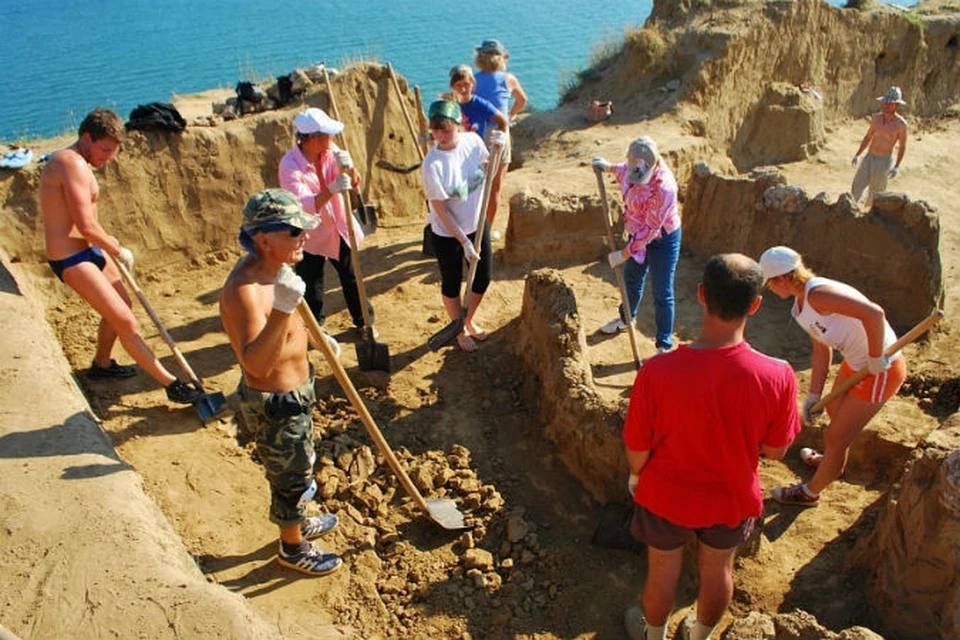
<point>914,552</point>
<point>898,267</point>
<point>785,126</point>
<point>549,341</point>
<point>172,195</point>
<point>722,59</point>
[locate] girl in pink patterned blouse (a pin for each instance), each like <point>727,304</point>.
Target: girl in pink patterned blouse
<point>652,223</point>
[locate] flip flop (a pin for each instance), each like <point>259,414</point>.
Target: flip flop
<point>479,335</point>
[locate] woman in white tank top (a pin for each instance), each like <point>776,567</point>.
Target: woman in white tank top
<point>836,316</point>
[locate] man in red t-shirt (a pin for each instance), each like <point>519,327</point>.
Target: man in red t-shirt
<point>699,418</point>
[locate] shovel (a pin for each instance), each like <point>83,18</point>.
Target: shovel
<point>624,296</point>
<point>210,404</point>
<point>845,386</point>
<point>371,355</point>
<point>453,329</point>
<point>444,512</point>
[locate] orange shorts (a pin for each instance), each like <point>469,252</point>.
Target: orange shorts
<point>879,388</point>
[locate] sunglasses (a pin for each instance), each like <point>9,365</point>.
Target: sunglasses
<point>272,227</point>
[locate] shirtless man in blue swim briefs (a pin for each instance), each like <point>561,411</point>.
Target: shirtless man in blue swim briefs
<point>82,254</point>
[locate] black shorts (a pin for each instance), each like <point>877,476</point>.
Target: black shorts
<point>659,533</point>
<point>450,260</point>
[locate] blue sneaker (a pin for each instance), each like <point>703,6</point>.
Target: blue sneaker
<point>310,560</point>
<point>318,525</point>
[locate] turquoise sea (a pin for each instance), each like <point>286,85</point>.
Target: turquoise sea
<point>63,57</point>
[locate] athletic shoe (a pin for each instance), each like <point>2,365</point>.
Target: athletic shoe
<point>318,525</point>
<point>614,326</point>
<point>634,623</point>
<point>794,494</point>
<point>96,372</point>
<point>310,560</point>
<point>662,350</point>
<point>183,393</point>
<point>811,457</point>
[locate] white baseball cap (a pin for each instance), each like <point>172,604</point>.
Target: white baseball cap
<point>314,120</point>
<point>777,261</point>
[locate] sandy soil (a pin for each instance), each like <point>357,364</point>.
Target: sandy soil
<point>213,492</point>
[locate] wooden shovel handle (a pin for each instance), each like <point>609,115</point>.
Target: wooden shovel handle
<point>493,164</point>
<point>406,112</point>
<point>345,200</point>
<point>177,354</point>
<point>316,333</point>
<point>624,294</point>
<point>845,386</point>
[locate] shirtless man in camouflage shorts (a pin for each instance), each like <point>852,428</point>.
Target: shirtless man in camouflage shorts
<point>257,308</point>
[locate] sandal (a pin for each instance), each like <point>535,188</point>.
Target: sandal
<point>477,333</point>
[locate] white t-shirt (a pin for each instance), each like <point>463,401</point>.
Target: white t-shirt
<point>443,170</point>
<point>837,331</point>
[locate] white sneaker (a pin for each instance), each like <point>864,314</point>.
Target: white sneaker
<point>663,349</point>
<point>614,326</point>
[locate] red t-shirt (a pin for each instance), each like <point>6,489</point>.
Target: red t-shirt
<point>703,414</point>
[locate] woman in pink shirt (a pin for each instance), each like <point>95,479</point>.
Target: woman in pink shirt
<point>652,222</point>
<point>317,172</point>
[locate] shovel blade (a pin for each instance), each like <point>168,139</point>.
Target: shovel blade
<point>446,514</point>
<point>210,405</point>
<point>373,356</point>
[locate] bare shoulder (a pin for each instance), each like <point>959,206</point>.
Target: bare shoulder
<point>901,121</point>
<point>66,163</point>
<point>243,288</point>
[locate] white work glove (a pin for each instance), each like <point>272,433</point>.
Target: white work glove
<point>125,257</point>
<point>855,160</point>
<point>808,416</point>
<point>894,172</point>
<point>461,191</point>
<point>616,258</point>
<point>632,484</point>
<point>600,163</point>
<point>341,184</point>
<point>498,137</point>
<point>469,252</point>
<point>288,290</point>
<point>877,364</point>
<point>344,161</point>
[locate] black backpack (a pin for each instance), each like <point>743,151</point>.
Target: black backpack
<point>156,116</point>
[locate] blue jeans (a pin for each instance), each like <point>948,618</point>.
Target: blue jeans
<point>662,256</point>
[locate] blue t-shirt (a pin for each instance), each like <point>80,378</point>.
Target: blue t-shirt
<point>493,87</point>
<point>477,113</point>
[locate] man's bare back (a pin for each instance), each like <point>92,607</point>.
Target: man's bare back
<point>246,308</point>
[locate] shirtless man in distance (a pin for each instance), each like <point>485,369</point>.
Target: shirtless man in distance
<point>82,254</point>
<point>258,311</point>
<point>886,130</point>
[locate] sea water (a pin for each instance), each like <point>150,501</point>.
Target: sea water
<point>61,58</point>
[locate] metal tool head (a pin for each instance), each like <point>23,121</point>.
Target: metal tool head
<point>210,405</point>
<point>447,515</point>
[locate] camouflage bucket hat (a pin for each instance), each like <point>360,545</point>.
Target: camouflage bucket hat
<point>276,205</point>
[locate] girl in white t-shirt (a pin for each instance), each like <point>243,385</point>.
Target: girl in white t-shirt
<point>836,316</point>
<point>453,178</point>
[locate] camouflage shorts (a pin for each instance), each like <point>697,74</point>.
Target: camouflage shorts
<point>282,428</point>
